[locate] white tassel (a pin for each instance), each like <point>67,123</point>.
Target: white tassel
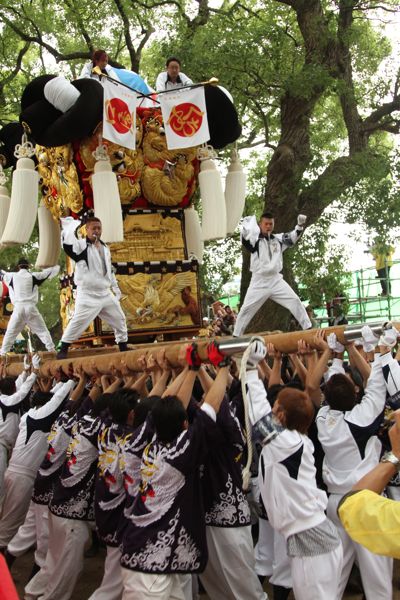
<point>4,207</point>
<point>4,200</point>
<point>212,197</point>
<point>193,235</point>
<point>49,239</point>
<point>23,206</point>
<point>235,192</point>
<point>107,203</point>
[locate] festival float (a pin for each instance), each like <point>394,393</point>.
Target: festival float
<point>136,160</point>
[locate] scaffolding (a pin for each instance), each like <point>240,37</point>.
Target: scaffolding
<point>365,299</point>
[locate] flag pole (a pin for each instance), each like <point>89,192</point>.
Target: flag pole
<point>97,71</point>
<point>212,81</point>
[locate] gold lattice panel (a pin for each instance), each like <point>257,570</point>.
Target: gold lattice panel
<point>151,236</point>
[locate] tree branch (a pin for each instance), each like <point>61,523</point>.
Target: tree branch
<point>127,35</point>
<point>203,14</point>
<point>339,175</point>
<point>82,28</point>
<point>352,118</point>
<point>385,109</point>
<point>17,67</point>
<point>147,33</point>
<point>37,39</point>
<point>293,3</point>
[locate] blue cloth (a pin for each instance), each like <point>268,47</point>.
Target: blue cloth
<point>133,80</point>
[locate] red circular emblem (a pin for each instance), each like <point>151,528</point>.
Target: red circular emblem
<point>185,119</point>
<point>118,115</point>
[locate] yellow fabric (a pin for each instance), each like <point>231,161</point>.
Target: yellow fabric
<point>383,259</point>
<point>373,521</point>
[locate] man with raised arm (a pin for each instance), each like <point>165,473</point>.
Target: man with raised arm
<point>98,294</point>
<point>266,264</point>
<point>165,536</point>
<point>23,286</point>
<point>348,432</point>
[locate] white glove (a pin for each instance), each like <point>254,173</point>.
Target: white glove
<point>258,351</point>
<point>301,220</point>
<point>36,361</point>
<point>27,364</point>
<point>389,337</point>
<point>334,344</point>
<point>117,292</point>
<point>369,338</point>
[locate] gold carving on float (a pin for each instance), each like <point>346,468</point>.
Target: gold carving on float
<point>160,300</point>
<point>67,304</point>
<point>126,164</point>
<point>167,173</point>
<point>59,180</point>
<point>150,237</point>
<point>4,318</point>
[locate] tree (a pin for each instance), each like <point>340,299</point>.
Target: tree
<point>304,77</point>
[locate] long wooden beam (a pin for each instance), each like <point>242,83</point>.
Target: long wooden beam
<point>92,360</point>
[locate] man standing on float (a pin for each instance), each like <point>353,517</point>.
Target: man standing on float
<point>266,264</point>
<point>23,286</point>
<point>97,291</point>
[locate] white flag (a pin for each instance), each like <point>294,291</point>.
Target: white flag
<point>119,115</point>
<point>185,117</point>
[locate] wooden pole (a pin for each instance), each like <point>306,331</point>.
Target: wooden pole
<point>103,360</point>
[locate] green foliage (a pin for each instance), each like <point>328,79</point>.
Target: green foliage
<point>318,264</point>
<point>219,265</point>
<point>375,200</point>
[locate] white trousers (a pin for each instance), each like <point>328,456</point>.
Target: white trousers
<point>18,491</point>
<point>64,560</point>
<point>22,315</point>
<point>376,571</point>
<point>87,308</point>
<point>34,531</point>
<point>3,468</point>
<point>111,585</point>
<point>275,288</point>
<point>230,572</point>
<point>145,586</point>
<point>189,586</point>
<point>317,577</point>
<point>271,557</point>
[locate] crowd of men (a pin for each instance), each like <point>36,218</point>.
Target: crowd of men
<point>173,466</point>
<point>154,461</point>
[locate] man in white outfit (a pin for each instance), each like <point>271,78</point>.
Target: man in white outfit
<point>12,395</point>
<point>98,293</point>
<point>294,504</point>
<point>348,430</point>
<point>23,289</point>
<point>172,78</point>
<point>28,452</point>
<point>266,264</point>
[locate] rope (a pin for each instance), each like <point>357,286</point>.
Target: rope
<point>246,474</point>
